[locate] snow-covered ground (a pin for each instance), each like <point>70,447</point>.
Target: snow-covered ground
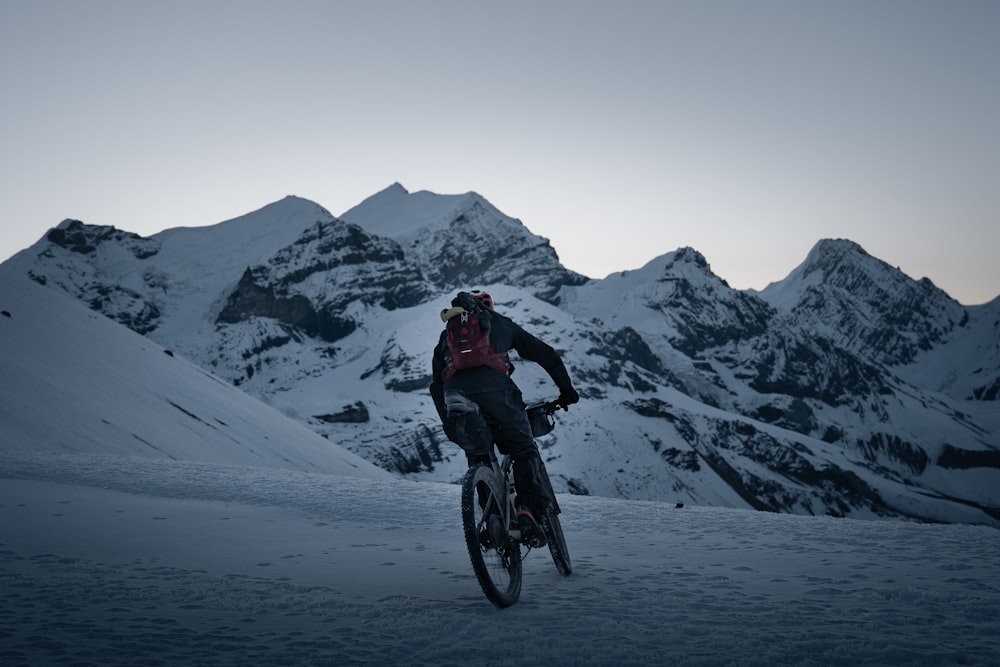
<point>112,560</point>
<point>152,514</point>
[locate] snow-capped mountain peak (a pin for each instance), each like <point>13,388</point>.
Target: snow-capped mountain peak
<point>865,303</point>
<point>693,391</point>
<point>404,216</point>
<point>462,240</point>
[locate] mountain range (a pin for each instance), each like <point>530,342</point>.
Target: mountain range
<point>846,388</point>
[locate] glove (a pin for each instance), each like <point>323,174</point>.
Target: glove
<point>568,397</point>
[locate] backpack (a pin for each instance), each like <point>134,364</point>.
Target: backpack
<point>468,340</point>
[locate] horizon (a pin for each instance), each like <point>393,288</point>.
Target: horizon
<point>776,279</point>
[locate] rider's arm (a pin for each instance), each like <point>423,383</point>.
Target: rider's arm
<point>543,354</point>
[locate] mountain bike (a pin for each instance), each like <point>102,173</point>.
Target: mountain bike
<point>488,518</point>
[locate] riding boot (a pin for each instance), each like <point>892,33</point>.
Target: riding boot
<point>528,483</point>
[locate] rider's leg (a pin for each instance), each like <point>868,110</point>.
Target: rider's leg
<point>466,427</point>
<point>528,482</point>
<point>512,434</point>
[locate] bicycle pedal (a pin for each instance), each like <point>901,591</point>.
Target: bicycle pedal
<point>531,532</point>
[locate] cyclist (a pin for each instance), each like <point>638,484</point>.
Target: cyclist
<point>482,405</point>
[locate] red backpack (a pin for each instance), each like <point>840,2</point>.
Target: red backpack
<point>468,341</point>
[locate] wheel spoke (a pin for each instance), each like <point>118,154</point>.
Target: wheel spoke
<point>496,559</point>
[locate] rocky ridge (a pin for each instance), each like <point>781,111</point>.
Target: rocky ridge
<point>847,388</point>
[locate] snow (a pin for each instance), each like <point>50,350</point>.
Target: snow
<point>153,514</point>
<point>404,216</point>
<point>76,381</point>
<point>218,254</point>
<point>114,560</point>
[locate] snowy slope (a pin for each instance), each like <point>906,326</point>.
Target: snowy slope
<point>968,366</point>
<point>73,381</point>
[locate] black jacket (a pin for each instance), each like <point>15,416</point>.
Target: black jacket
<point>505,336</point>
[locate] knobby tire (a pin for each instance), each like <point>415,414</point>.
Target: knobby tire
<point>557,542</point>
<point>553,530</point>
<point>496,558</point>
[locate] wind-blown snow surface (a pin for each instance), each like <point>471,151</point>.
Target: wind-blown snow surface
<point>151,514</point>
<point>110,560</point>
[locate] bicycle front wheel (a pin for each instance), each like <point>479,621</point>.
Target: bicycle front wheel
<point>553,529</point>
<point>496,558</point>
<point>557,541</point>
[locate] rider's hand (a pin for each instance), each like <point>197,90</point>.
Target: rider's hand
<point>568,397</point>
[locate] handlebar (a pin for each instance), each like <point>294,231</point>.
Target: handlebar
<point>549,407</point>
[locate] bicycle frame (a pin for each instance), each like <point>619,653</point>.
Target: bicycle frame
<point>491,530</point>
<point>503,470</point>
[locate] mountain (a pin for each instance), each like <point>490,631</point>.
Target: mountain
<point>154,513</point>
<point>76,383</point>
<point>864,305</point>
<point>463,239</point>
<point>846,389</point>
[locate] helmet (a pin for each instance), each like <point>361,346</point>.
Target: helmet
<point>482,297</point>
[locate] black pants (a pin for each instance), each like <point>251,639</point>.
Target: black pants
<point>499,417</point>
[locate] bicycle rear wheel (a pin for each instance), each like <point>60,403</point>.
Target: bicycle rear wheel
<point>496,558</point>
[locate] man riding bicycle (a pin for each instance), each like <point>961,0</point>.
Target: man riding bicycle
<point>481,405</point>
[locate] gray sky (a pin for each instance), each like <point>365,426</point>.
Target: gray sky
<point>620,130</point>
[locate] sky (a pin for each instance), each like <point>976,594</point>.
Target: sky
<point>618,130</point>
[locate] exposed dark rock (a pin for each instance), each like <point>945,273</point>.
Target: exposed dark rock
<point>963,459</point>
<point>987,392</point>
<point>813,368</point>
<point>418,384</point>
<point>796,416</point>
<point>652,407</point>
<point>363,267</point>
<point>893,448</point>
<point>78,237</point>
<point>252,300</point>
<point>265,344</point>
<point>418,451</point>
<point>626,344</point>
<point>683,459</point>
<point>125,306</point>
<point>356,413</point>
